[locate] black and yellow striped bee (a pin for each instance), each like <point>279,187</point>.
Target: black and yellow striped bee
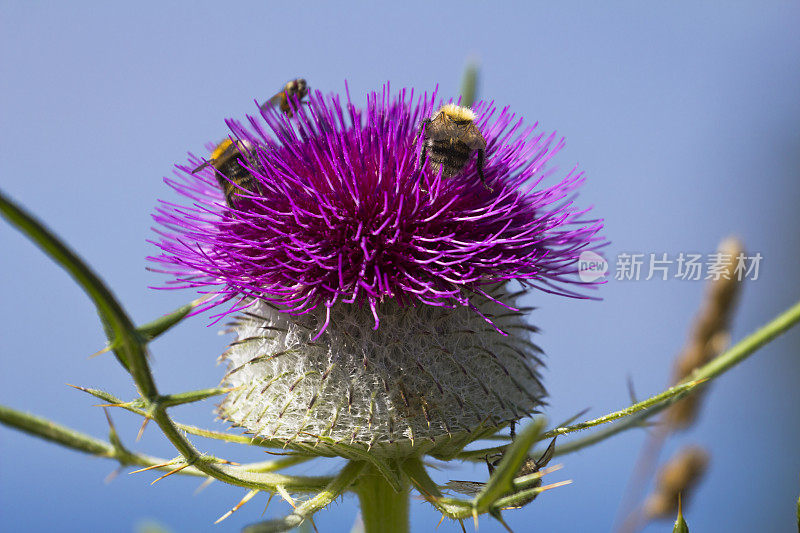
<point>450,139</point>
<point>227,156</point>
<point>226,160</point>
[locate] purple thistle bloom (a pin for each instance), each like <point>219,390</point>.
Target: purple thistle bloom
<point>343,211</point>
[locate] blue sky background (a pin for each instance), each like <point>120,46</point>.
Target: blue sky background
<point>683,115</point>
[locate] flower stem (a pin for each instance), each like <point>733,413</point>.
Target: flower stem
<point>382,509</point>
<point>701,376</point>
<point>636,414</point>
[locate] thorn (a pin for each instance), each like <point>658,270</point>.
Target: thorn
<point>311,519</point>
<point>141,429</point>
<point>631,390</point>
<point>271,494</point>
<point>170,473</point>
<point>162,465</point>
<point>113,475</point>
<point>123,404</point>
<point>461,523</point>
<point>286,496</point>
<point>108,419</point>
<point>247,498</point>
<point>84,389</point>
<point>440,522</point>
<point>101,352</point>
<point>499,518</point>
<point>554,485</point>
<point>475,517</point>
<point>550,469</point>
<point>208,481</point>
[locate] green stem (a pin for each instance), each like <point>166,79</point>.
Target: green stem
<point>338,485</point>
<point>137,406</point>
<point>75,440</point>
<point>130,349</point>
<point>382,509</point>
<point>702,375</point>
<point>655,404</point>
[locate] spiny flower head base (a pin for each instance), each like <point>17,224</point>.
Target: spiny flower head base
<point>429,380</point>
<point>342,210</point>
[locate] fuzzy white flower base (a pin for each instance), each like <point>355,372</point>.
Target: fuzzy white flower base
<point>427,373</point>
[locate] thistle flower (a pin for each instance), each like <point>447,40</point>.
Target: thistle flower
<point>371,294</point>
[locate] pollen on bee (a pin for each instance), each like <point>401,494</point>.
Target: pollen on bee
<point>458,112</point>
<point>221,148</point>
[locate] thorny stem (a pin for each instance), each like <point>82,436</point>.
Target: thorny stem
<point>130,348</point>
<point>118,326</point>
<point>136,406</point>
<point>41,427</point>
<point>70,438</point>
<point>655,404</point>
<point>382,506</point>
<point>305,511</point>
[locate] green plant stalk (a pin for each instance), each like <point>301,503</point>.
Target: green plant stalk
<point>136,406</point>
<point>382,509</point>
<point>75,440</point>
<point>159,326</point>
<point>305,511</point>
<point>655,404</point>
<point>130,349</point>
<point>110,311</point>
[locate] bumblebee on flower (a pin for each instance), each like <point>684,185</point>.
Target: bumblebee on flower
<point>349,258</point>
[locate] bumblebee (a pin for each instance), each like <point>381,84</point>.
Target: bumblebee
<point>450,139</point>
<point>226,157</point>
<point>226,160</point>
<point>294,89</point>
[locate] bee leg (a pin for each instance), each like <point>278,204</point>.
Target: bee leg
<point>423,155</point>
<point>422,125</point>
<point>203,165</point>
<point>481,160</point>
<point>229,198</point>
<point>512,430</point>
